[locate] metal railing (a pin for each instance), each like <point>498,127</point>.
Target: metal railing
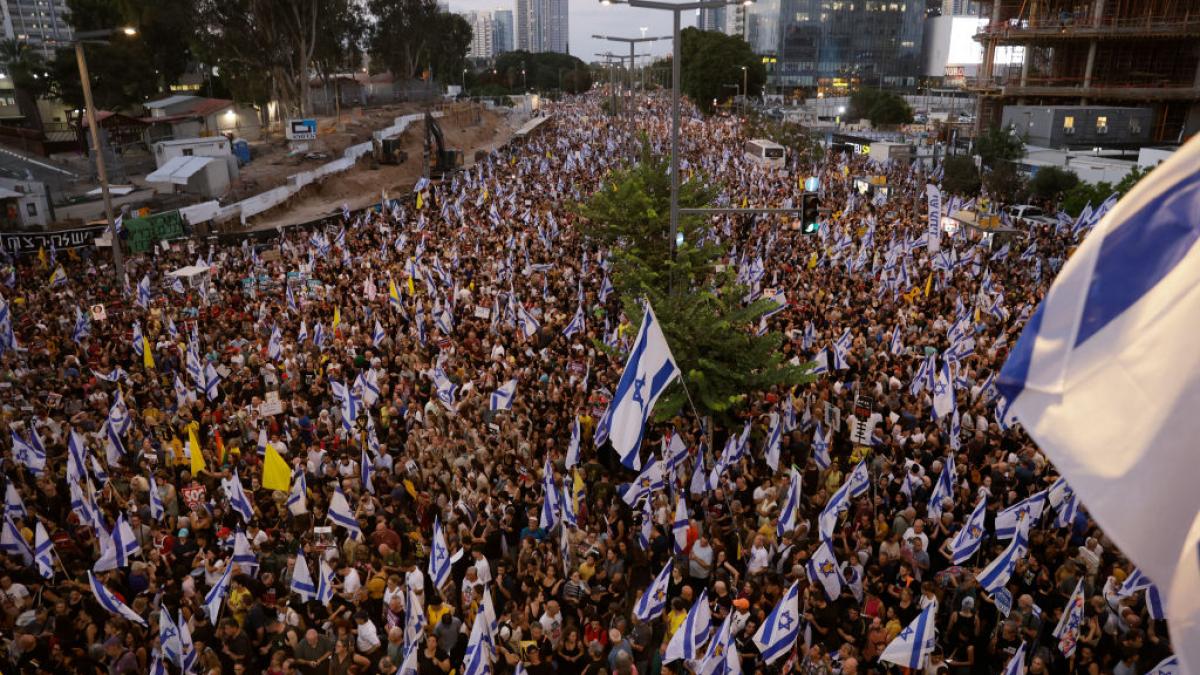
<point>1074,26</point>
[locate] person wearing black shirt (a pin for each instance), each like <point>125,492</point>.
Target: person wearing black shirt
<point>432,660</point>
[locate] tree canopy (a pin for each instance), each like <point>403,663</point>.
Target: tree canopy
<point>711,60</point>
<point>412,38</point>
<point>999,145</point>
<point>961,177</point>
<point>699,303</point>
<point>543,71</point>
<point>882,108</point>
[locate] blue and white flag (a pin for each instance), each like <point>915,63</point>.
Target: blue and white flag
<point>1069,625</point>
<point>943,490</point>
<point>650,479</point>
<point>13,505</point>
<point>216,595</point>
<point>573,447</point>
<point>1114,334</point>
<point>648,372</point>
<point>238,499</point>
<point>567,508</point>
<point>143,292</point>
<point>778,633</point>
<point>83,327</point>
<point>1168,666</point>
<point>774,441</point>
<point>820,444</point>
<point>791,506</point>
<point>606,288</point>
<point>1028,509</point>
<point>1134,583</point>
<point>578,323</point>
<point>646,526</point>
<point>212,380</point>
<point>996,575</point>
<point>943,393</point>
<point>340,513</point>
<point>680,525</point>
<point>966,541</point>
<point>43,551</point>
<point>365,467</point>
<point>654,599</point>
<point>124,542</point>
<point>302,581</point>
<point>325,582</point>
<point>823,568</point>
<point>110,602</point>
<point>550,509</point>
<point>721,657</point>
<point>297,501</point>
<point>1016,664</point>
<point>690,637</point>
<point>478,657</point>
<point>185,640</point>
<point>914,643</point>
<point>699,484</point>
<point>528,324</point>
<point>502,398</point>
<point>29,453</point>
<point>13,543</point>
<point>439,556</point>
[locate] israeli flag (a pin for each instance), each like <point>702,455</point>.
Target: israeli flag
<point>914,643</point>
<point>650,479</point>
<point>28,453</point>
<point>446,389</point>
<point>439,557</point>
<point>302,581</point>
<point>679,526</point>
<point>774,441</point>
<point>238,499</point>
<point>378,336</point>
<point>606,288</point>
<point>943,491</point>
<point>699,484</point>
<point>1028,509</point>
<point>124,541</point>
<point>1016,665</point>
<point>1113,336</point>
<point>168,638</point>
<point>478,658</point>
<point>966,541</point>
<point>573,447</point>
<point>365,468</point>
<point>823,567</point>
<point>302,336</point>
<point>1067,630</point>
<point>996,575</point>
<point>567,509</point>
<point>243,555</point>
<point>43,551</point>
<point>502,398</point>
<point>13,506</point>
<point>275,344</point>
<point>13,543</point>
<point>577,325</point>
<point>654,599</point>
<point>83,327</point>
<point>212,380</point>
<point>143,292</point>
<point>690,637</point>
<point>216,595</point>
<point>820,443</point>
<point>943,393</point>
<point>297,501</point>
<point>325,583</point>
<point>648,372</point>
<point>341,514</point>
<point>646,526</point>
<point>110,602</point>
<point>778,633</point>
<point>1168,666</point>
<point>791,506</point>
<point>550,509</point>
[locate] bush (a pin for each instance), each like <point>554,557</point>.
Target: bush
<point>961,177</point>
<point>1051,183</point>
<point>881,107</point>
<point>1004,184</point>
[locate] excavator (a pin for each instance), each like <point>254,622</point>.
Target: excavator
<point>439,160</point>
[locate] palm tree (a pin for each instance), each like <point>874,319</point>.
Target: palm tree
<point>27,70</point>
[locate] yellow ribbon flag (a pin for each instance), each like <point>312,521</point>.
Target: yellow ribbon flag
<point>420,201</point>
<point>198,464</point>
<point>147,353</point>
<point>276,474</point>
<point>576,489</point>
<point>812,260</point>
<point>745,201</point>
<point>337,316</point>
<point>928,284</point>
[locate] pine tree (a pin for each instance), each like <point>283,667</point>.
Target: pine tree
<point>697,299</point>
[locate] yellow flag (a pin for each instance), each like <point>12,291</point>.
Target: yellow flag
<point>576,489</point>
<point>976,313</point>
<point>812,260</point>
<point>276,474</point>
<point>42,256</point>
<point>485,194</point>
<point>198,464</point>
<point>337,316</point>
<point>928,284</point>
<point>745,201</point>
<point>147,353</point>
<point>393,294</point>
<point>420,201</point>
<point>412,290</point>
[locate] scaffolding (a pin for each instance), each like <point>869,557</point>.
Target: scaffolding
<point>1094,52</point>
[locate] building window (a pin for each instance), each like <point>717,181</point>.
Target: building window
<point>1069,124</point>
<point>31,208</point>
<point>1135,126</point>
<point>1102,124</point>
<point>188,152</point>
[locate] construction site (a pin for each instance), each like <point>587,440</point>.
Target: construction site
<point>1143,53</point>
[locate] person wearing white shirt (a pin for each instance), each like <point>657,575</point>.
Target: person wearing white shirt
<point>366,635</point>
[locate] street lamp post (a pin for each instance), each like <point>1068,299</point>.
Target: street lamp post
<point>633,42</point>
<point>464,82</point>
<point>745,88</point>
<point>677,9</point>
<point>96,36</point>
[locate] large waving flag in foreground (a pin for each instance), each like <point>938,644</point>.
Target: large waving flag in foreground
<point>647,373</point>
<point>1110,354</point>
<point>778,633</point>
<point>914,643</point>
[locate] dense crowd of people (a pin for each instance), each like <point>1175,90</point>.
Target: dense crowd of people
<point>409,366</point>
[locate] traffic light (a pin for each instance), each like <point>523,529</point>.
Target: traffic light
<point>810,213</point>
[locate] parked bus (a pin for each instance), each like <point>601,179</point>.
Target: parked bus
<point>766,153</point>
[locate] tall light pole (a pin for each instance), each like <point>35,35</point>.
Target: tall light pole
<point>464,80</point>
<point>633,42</point>
<point>745,88</point>
<point>677,9</point>
<point>97,37</point>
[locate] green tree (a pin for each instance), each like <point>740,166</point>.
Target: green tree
<point>999,145</point>
<point>710,331</point>
<point>882,108</point>
<point>794,136</point>
<point>28,72</point>
<point>1051,182</point>
<point>711,60</point>
<point>412,37</point>
<point>128,70</point>
<point>1005,184</point>
<point>961,177</point>
<point>1076,199</point>
<point>544,71</point>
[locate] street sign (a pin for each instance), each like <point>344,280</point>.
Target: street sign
<point>301,130</point>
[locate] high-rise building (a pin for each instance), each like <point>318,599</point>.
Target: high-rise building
<point>483,25</point>
<point>41,23</point>
<point>503,30</point>
<point>712,18</point>
<point>730,20</point>
<point>542,26</point>
<point>960,7</point>
<point>1098,53</point>
<point>835,47</point>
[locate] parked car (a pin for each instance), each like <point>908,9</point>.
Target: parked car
<point>1028,212</point>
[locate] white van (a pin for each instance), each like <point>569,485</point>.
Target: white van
<point>765,153</point>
